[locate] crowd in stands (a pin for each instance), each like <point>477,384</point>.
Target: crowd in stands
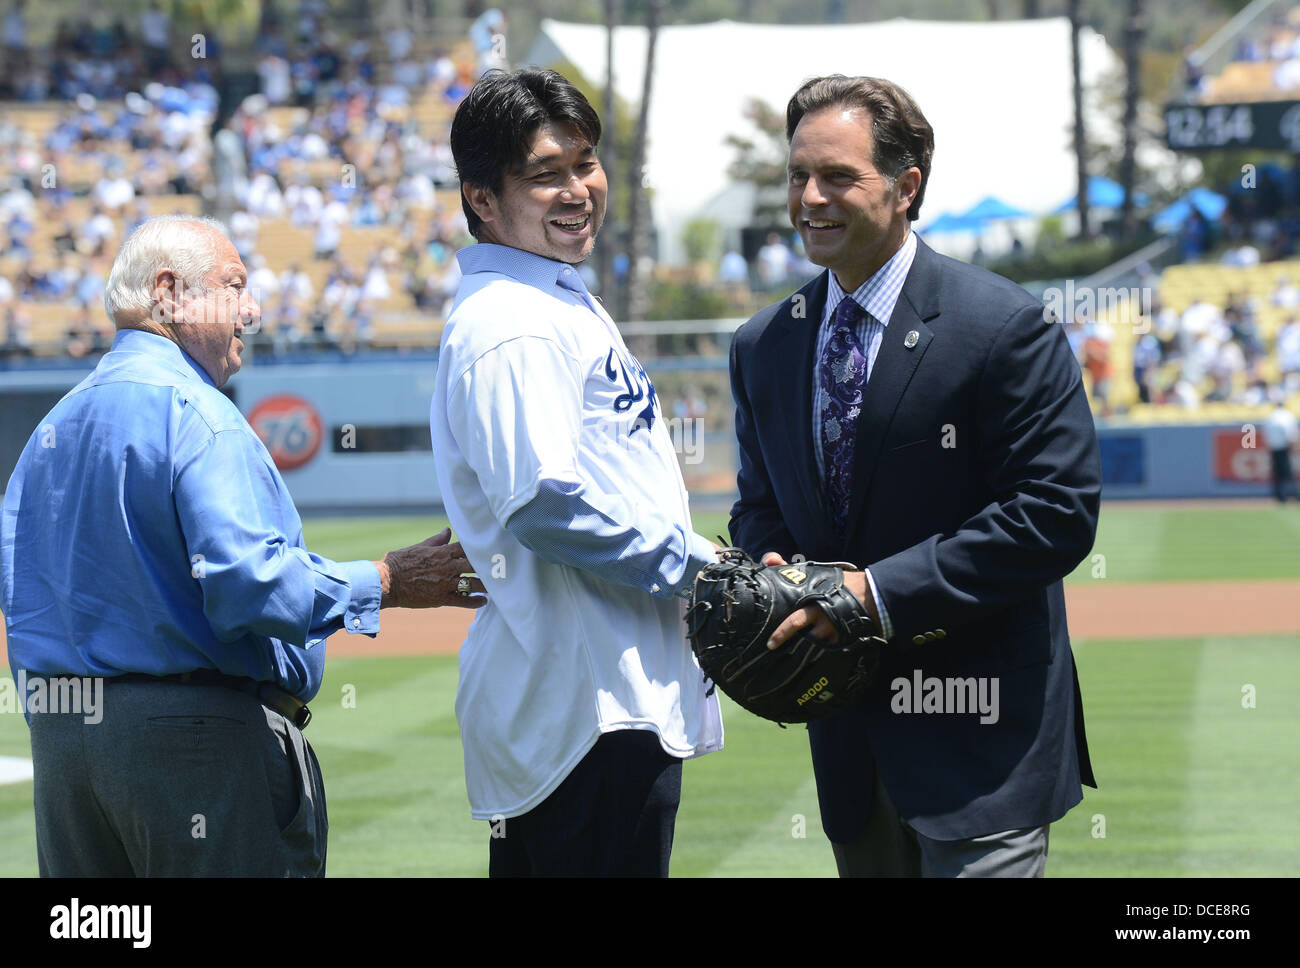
<point>99,56</point>
<point>1205,354</point>
<point>1265,64</point>
<point>76,191</point>
<point>360,154</point>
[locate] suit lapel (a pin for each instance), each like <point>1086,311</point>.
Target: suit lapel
<point>793,367</point>
<point>892,372</point>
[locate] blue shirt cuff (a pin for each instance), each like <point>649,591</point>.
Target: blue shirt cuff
<point>699,552</point>
<point>361,616</point>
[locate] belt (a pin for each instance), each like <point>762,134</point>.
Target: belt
<point>268,694</point>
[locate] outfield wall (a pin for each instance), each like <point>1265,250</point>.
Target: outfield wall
<point>352,435</point>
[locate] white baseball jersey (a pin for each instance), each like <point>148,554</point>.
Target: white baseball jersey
<point>537,403</point>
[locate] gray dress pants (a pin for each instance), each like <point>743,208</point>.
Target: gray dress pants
<point>176,780</point>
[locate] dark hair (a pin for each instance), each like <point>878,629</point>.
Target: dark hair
<point>495,124</point>
<point>901,136</point>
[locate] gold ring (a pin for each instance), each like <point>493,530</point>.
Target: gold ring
<point>462,588</point>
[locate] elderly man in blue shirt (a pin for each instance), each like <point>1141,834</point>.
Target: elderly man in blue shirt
<point>148,545</point>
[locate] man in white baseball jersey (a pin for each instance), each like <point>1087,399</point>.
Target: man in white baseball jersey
<point>579,697</point>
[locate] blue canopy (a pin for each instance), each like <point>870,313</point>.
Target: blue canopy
<point>991,208</point>
<point>1208,203</point>
<point>1102,193</point>
<point>948,222</point>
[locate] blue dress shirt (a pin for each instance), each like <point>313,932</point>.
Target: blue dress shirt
<point>146,530</point>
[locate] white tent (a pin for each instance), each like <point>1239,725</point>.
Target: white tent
<point>998,95</point>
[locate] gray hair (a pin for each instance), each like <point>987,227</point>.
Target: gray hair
<point>164,242</point>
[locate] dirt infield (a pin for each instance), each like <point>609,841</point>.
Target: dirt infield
<point>1097,611</point>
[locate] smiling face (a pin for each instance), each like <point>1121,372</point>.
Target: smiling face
<point>554,204</point>
<point>209,325</point>
<point>851,217</point>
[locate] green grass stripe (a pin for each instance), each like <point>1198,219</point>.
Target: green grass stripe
<point>1243,774</point>
<point>1137,700</point>
<point>366,537</point>
<point>1191,783</point>
<point>1189,545</point>
<point>738,810</point>
<point>17,830</point>
<point>1137,544</point>
<point>393,770</point>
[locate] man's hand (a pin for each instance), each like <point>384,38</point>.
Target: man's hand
<point>427,575</point>
<point>812,617</point>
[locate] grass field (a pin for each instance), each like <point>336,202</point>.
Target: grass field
<point>1192,782</point>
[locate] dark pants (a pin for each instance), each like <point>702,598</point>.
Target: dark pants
<point>613,815</point>
<point>890,847</point>
<point>176,780</point>
<point>1283,479</point>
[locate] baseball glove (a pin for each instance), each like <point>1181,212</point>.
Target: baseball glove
<point>737,604</point>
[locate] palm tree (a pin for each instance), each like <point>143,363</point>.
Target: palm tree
<point>637,227</point>
<point>1134,31</point>
<point>1080,137</point>
<point>609,153</point>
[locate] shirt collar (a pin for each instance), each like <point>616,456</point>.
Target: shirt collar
<point>527,267</point>
<point>161,350</point>
<point>879,294</point>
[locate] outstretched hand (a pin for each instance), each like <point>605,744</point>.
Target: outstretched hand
<point>429,574</point>
<point>811,617</point>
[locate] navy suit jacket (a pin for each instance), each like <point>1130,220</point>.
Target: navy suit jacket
<point>976,485</point>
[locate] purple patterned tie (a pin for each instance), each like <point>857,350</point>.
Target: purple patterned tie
<point>842,374</point>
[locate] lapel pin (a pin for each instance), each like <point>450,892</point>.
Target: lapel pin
<point>910,339</point>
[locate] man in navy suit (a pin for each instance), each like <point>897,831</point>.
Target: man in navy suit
<point>925,420</point>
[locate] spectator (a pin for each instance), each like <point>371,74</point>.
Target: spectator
<point>155,31</point>
<point>1097,361</point>
<point>114,192</point>
<point>275,75</point>
<point>15,43</point>
<point>488,35</point>
<point>304,202</point>
<point>264,198</point>
<point>18,330</point>
<point>243,233</point>
<point>376,285</point>
<point>1195,235</point>
<point>96,233</point>
<point>1280,433</point>
<point>329,228</point>
<point>774,262</point>
<point>1146,362</point>
<point>733,270</point>
<point>1243,254</point>
<point>1288,347</point>
<point>296,286</point>
<point>262,281</point>
<point>1285,295</point>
